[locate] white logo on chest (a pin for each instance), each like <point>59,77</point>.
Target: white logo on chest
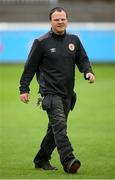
<point>52,50</point>
<point>71,46</point>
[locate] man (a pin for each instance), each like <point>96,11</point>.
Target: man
<point>53,58</point>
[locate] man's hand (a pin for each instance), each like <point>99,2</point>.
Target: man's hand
<point>90,77</point>
<point>24,97</point>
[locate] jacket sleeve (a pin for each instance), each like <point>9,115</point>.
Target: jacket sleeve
<point>31,66</point>
<point>82,60</point>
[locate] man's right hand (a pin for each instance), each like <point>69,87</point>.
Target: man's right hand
<point>24,97</point>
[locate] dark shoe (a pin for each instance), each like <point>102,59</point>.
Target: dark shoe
<point>45,165</point>
<point>72,166</point>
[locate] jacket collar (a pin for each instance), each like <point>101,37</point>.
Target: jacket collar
<point>57,35</point>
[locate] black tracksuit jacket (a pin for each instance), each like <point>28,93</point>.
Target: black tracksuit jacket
<point>53,58</point>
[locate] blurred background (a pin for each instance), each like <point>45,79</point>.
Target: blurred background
<point>23,20</point>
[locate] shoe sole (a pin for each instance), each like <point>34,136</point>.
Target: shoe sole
<point>74,166</point>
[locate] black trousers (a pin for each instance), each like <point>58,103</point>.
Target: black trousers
<point>56,135</point>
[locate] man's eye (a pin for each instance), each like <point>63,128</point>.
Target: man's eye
<point>56,20</point>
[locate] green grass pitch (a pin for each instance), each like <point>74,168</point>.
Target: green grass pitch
<point>91,127</point>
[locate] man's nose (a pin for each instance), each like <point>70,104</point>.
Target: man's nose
<point>60,21</point>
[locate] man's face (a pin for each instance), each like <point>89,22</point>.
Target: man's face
<point>59,22</point>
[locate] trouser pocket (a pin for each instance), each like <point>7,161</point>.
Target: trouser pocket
<point>46,102</point>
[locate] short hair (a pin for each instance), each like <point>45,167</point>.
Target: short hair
<point>59,9</point>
